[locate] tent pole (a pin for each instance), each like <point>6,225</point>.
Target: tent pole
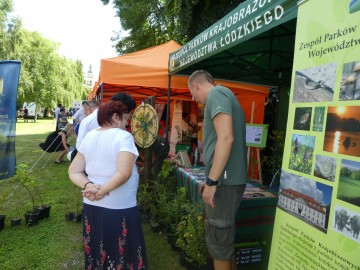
<point>168,109</point>
<point>101,92</point>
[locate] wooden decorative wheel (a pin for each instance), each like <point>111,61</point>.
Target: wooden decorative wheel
<point>144,125</point>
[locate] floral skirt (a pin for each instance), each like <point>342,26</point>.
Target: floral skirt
<point>113,238</point>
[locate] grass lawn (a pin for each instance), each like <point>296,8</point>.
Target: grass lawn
<point>54,243</point>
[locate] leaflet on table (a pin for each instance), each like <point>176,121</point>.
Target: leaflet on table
<point>261,194</point>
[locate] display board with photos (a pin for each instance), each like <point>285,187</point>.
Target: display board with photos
<point>317,222</point>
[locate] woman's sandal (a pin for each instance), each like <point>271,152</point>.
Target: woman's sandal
<point>59,162</point>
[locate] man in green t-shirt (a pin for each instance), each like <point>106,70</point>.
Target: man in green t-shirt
<point>226,165</point>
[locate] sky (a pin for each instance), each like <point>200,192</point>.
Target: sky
<point>316,190</point>
<point>82,27</point>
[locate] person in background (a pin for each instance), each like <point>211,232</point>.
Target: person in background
<point>112,230</point>
<point>62,119</point>
<point>57,141</point>
<point>26,115</point>
<point>161,148</point>
<point>56,113</point>
<point>78,116</point>
<point>89,122</point>
<point>226,165</point>
<point>187,126</point>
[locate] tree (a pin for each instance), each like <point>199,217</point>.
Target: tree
<point>356,175</point>
<point>147,23</point>
<point>45,77</point>
<point>345,171</point>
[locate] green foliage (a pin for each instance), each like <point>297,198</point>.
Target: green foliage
<point>26,179</point>
<point>147,23</point>
<point>299,162</point>
<point>45,77</point>
<point>345,171</point>
<point>191,236</point>
<point>178,218</point>
<point>144,197</point>
<point>54,243</point>
<point>272,155</point>
<point>348,190</point>
<point>355,175</point>
<point>183,137</point>
<point>167,170</point>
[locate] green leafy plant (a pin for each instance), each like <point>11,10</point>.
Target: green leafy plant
<point>27,180</point>
<point>144,197</point>
<point>175,210</point>
<point>183,137</point>
<point>55,244</point>
<point>272,156</point>
<point>191,236</point>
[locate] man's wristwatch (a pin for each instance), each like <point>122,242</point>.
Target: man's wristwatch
<point>211,182</point>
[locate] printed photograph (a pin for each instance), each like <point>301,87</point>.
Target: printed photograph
<point>325,167</point>
<point>319,116</point>
<point>302,118</point>
<point>302,153</point>
<point>346,222</point>
<point>350,81</point>
<point>315,84</point>
<point>349,182</point>
<point>342,132</point>
<point>305,199</point>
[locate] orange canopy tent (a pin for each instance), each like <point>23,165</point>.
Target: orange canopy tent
<point>145,73</point>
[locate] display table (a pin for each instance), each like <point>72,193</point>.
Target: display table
<point>255,217</point>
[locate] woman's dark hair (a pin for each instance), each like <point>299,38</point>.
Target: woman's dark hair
<point>107,109</point>
<point>126,99</point>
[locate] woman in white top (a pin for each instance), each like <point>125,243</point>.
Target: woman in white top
<point>112,232</point>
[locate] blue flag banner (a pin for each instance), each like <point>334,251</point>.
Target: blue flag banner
<point>9,80</point>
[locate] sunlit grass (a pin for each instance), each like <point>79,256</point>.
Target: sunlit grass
<point>53,243</point>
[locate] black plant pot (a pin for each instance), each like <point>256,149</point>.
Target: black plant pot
<point>2,222</point>
<point>77,217</point>
<point>144,218</point>
<point>32,218</point>
<point>15,222</point>
<point>44,211</point>
<point>155,226</point>
<point>69,216</point>
<point>172,237</point>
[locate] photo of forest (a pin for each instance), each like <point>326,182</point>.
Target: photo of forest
<point>349,182</point>
<point>318,123</point>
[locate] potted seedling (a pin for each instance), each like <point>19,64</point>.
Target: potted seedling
<point>78,213</point>
<point>26,180</point>
<point>75,216</point>
<point>44,209</point>
<point>184,140</point>
<point>15,222</point>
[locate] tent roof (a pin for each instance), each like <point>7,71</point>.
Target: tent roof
<point>145,73</point>
<point>141,74</point>
<point>253,48</point>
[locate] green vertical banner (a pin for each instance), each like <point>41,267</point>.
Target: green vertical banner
<point>9,79</point>
<point>317,220</point>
